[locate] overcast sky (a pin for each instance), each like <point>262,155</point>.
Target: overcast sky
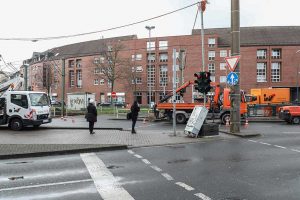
<point>41,18</point>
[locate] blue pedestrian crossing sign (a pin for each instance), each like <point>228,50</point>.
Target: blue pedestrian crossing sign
<point>232,78</point>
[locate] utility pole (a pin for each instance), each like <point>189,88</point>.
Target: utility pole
<point>149,28</point>
<point>174,92</point>
<point>63,77</point>
<point>235,97</point>
<point>202,8</point>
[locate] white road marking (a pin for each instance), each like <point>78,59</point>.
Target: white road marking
<point>185,186</point>
<point>265,143</point>
<point>106,184</point>
<point>156,168</point>
<point>202,196</point>
<point>167,176</point>
<point>252,140</point>
<point>146,161</point>
<point>130,151</point>
<point>296,150</point>
<point>45,185</point>
<point>138,156</point>
<point>280,146</point>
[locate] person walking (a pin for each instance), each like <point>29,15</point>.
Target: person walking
<point>91,115</point>
<point>135,109</point>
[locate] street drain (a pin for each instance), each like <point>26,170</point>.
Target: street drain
<point>16,178</point>
<point>178,161</point>
<point>176,147</point>
<point>114,167</point>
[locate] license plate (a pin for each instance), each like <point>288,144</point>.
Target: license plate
<point>45,120</point>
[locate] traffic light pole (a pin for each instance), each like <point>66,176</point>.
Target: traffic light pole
<point>235,100</point>
<point>202,46</point>
<point>174,92</point>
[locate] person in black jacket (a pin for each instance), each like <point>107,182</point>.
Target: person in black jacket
<point>135,109</point>
<point>91,115</point>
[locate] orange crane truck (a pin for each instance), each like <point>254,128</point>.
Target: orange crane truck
<point>218,105</point>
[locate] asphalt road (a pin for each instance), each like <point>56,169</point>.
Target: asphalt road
<point>259,168</point>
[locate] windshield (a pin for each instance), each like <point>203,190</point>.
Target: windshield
<point>38,99</point>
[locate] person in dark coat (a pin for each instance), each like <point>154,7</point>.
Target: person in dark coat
<point>135,109</point>
<point>91,115</point>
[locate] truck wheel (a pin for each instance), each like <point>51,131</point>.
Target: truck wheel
<point>16,124</point>
<point>180,118</point>
<point>225,117</point>
<point>296,120</point>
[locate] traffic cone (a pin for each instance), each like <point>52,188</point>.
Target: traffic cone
<point>227,122</point>
<point>144,121</point>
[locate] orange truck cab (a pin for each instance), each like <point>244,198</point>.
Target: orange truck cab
<point>290,114</point>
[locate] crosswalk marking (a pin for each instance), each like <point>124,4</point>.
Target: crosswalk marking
<point>106,184</point>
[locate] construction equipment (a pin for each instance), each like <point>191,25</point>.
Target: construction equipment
<point>22,108</point>
<point>290,114</point>
<point>218,105</point>
<point>270,95</point>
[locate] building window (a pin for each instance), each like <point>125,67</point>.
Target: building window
<point>138,80</point>
<point>223,53</point>
<point>97,71</point>
<point>150,47</point>
<point>163,57</point>
<point>152,97</point>
<point>223,79</point>
<point>137,69</point>
<point>275,72</point>
<point>71,63</point>
<point>163,75</point>
<point>136,57</point>
<point>276,53</point>
<point>96,81</point>
<point>79,78</point>
<point>211,55</point>
<point>261,54</point>
<point>222,66</point>
<point>151,75</point>
<point>261,72</point>
<point>163,45</point>
<point>138,96</point>
<point>101,81</point>
<point>211,42</point>
<point>151,57</point>
<point>213,78</point>
<point>71,78</point>
<point>161,95</point>
<point>78,63</point>
<point>211,68</point>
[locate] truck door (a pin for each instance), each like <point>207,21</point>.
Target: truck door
<point>18,105</point>
<point>2,111</point>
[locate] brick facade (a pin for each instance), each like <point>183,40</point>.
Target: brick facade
<point>285,66</point>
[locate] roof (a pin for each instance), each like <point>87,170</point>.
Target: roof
<point>257,36</point>
<point>81,49</point>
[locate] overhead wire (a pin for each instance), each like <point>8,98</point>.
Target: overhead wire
<point>99,31</point>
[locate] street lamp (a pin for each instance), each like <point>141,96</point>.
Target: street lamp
<point>149,28</point>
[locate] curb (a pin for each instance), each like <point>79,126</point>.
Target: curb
<point>241,134</point>
<point>63,152</point>
<point>81,128</point>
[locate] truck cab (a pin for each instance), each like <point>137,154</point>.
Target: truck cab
<point>24,108</point>
<point>290,114</point>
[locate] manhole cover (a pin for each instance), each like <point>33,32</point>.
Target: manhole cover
<point>114,167</point>
<point>178,161</point>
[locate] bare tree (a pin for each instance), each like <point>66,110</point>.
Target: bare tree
<point>110,66</point>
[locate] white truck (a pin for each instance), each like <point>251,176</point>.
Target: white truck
<point>22,108</point>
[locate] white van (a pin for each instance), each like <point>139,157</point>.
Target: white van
<point>24,108</point>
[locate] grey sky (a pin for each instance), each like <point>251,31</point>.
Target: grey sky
<point>40,18</point>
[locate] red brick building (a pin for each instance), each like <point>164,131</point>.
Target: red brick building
<point>269,58</point>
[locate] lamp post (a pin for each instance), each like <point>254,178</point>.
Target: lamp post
<point>149,28</point>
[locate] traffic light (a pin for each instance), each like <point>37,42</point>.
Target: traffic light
<point>202,82</point>
<point>206,82</point>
